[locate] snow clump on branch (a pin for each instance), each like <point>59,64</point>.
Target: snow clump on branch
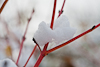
<point>61,32</point>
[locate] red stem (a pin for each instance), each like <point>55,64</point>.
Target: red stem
<point>28,23</point>
<point>3,6</point>
<point>43,53</point>
<point>53,15</point>
<point>45,47</point>
<point>21,45</point>
<point>73,39</point>
<point>30,55</point>
<point>62,8</point>
<point>39,60</point>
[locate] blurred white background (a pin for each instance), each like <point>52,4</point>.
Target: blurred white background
<point>82,14</point>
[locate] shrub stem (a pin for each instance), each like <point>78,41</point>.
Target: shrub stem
<point>2,7</point>
<point>73,39</point>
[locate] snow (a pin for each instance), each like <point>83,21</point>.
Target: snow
<point>62,21</point>
<point>61,31</point>
<point>44,34</point>
<point>7,63</point>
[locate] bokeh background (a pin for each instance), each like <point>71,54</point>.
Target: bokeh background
<point>82,15</point>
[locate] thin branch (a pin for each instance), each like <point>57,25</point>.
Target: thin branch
<point>62,8</point>
<point>39,60</point>
<point>9,31</point>
<point>30,55</point>
<point>52,22</point>
<point>51,26</point>
<point>53,15</point>
<point>37,44</point>
<point>43,53</point>
<point>45,47</point>
<point>21,45</point>
<point>73,39</point>
<point>2,7</point>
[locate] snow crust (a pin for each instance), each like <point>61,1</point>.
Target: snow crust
<point>7,63</point>
<point>61,31</point>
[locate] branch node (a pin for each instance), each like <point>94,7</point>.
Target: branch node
<point>37,44</point>
<point>93,27</point>
<point>29,19</point>
<point>34,40</point>
<point>24,37</point>
<point>61,11</point>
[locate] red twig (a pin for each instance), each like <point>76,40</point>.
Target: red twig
<point>53,15</point>
<point>73,39</point>
<point>62,8</point>
<point>3,6</point>
<point>39,60</point>
<point>37,44</point>
<point>9,31</point>
<point>51,26</point>
<point>30,55</point>
<point>21,45</point>
<point>43,53</point>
